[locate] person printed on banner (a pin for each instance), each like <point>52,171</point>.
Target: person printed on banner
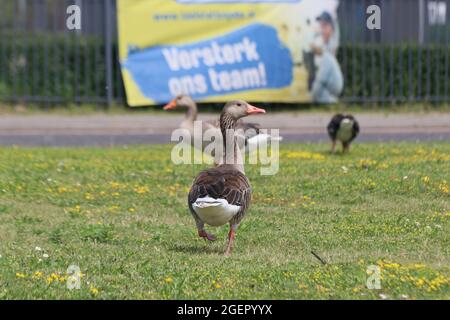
<point>308,54</point>
<point>328,81</point>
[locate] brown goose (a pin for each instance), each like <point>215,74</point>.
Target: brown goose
<point>222,194</point>
<point>250,132</point>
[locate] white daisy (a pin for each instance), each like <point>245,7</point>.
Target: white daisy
<point>383,296</point>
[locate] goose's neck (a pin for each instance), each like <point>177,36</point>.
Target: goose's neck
<point>227,122</point>
<point>191,113</point>
<point>231,154</point>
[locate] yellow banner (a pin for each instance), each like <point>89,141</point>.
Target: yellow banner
<point>216,51</point>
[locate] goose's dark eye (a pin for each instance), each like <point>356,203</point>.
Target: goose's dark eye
<point>239,104</point>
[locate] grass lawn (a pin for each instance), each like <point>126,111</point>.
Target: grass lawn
<point>120,214</point>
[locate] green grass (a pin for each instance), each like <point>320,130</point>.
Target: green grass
<point>120,214</point>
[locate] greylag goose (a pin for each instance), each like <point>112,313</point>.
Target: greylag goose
<point>185,101</point>
<point>250,132</point>
<point>343,128</point>
<point>222,194</point>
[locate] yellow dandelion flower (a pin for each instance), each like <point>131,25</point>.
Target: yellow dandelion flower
<point>37,275</point>
<point>89,196</point>
<point>93,290</point>
<point>141,189</point>
<point>366,163</point>
<point>62,189</point>
<point>420,282</point>
<point>20,275</point>
<point>113,208</point>
<point>322,288</point>
<point>392,265</point>
<point>444,188</point>
<point>168,280</point>
<point>426,179</point>
<point>304,155</point>
<point>54,276</point>
<point>383,166</point>
<point>114,185</point>
<point>132,209</point>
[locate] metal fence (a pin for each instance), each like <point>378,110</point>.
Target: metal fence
<point>407,60</point>
<point>42,62</point>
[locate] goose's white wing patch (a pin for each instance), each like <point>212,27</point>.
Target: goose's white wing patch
<point>260,140</point>
<point>215,212</point>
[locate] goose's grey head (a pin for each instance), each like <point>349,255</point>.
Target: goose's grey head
<point>182,100</point>
<point>240,108</point>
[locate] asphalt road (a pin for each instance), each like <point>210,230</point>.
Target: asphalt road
<point>132,129</point>
<point>117,140</point>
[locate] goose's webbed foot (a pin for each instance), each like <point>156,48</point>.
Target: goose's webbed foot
<point>206,235</point>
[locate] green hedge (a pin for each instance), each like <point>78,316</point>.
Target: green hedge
<point>395,71</point>
<point>61,66</point>
<point>71,66</point>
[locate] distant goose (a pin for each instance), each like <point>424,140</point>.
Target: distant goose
<point>185,101</point>
<point>252,137</point>
<point>222,194</point>
<point>343,128</point>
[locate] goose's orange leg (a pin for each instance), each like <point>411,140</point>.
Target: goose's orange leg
<point>202,233</point>
<point>201,230</point>
<point>231,236</point>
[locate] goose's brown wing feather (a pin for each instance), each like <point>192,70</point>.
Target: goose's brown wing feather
<point>333,126</point>
<point>222,183</point>
<point>355,130</point>
<point>247,130</point>
<point>206,125</point>
<point>248,125</point>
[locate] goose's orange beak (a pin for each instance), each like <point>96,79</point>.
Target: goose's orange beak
<point>253,110</point>
<point>171,105</point>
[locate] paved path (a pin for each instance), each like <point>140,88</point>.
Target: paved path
<point>57,130</point>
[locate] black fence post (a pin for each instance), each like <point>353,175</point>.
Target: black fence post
<point>108,53</point>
